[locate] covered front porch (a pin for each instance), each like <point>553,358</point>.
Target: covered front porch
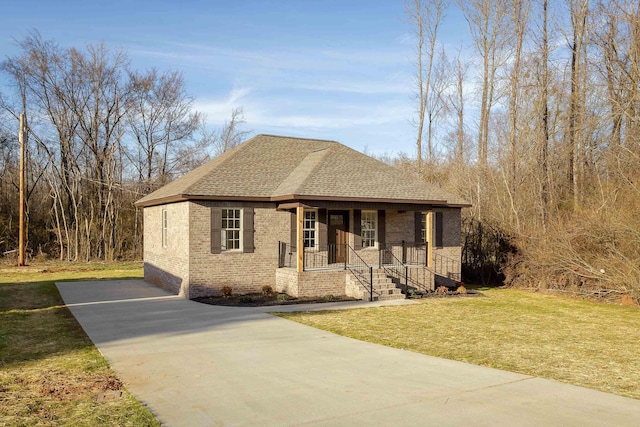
<point>367,252</point>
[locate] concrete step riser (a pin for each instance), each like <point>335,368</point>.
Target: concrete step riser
<point>365,297</point>
<point>383,287</point>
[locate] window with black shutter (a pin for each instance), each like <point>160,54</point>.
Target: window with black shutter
<point>232,230</point>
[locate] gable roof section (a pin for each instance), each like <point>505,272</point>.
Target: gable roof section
<point>278,168</point>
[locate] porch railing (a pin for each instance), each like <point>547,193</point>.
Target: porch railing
<point>286,255</point>
<point>362,271</point>
<point>319,257</point>
<point>393,267</point>
<point>447,267</point>
<point>413,277</point>
<point>340,256</point>
<point>409,253</point>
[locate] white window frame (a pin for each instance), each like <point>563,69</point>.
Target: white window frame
<point>236,226</point>
<point>423,227</point>
<point>369,235</point>
<point>310,233</point>
<point>165,226</point>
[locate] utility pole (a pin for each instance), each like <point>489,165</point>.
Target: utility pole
<point>22,191</point>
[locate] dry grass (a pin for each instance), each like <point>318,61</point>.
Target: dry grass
<point>575,341</point>
<point>50,372</point>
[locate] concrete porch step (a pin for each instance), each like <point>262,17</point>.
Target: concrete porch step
<point>383,287</point>
<point>390,297</point>
<point>382,297</point>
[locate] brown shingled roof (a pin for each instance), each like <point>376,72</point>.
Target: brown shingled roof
<point>279,168</point>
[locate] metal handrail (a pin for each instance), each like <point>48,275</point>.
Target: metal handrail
<point>357,270</point>
<point>321,256</point>
<point>412,253</point>
<point>401,271</point>
<point>446,267</point>
<point>286,255</point>
<point>393,269</point>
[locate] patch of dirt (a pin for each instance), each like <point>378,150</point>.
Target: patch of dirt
<point>260,300</point>
<point>62,388</point>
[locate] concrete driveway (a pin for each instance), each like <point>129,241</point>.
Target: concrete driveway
<point>199,365</point>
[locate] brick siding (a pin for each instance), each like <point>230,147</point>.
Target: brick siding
<point>243,272</point>
<point>310,283</point>
<point>187,267</point>
<point>167,267</point>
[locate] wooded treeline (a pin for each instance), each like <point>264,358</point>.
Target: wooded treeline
<point>100,135</point>
<point>551,160</point>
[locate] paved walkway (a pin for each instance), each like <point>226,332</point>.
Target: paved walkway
<point>195,364</point>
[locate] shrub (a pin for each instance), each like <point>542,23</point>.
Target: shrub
<point>282,297</point>
<point>461,289</point>
<point>442,290</point>
<point>245,299</point>
<point>327,298</point>
<point>226,291</point>
<point>267,291</point>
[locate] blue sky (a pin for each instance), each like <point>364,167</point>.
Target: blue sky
<point>322,69</point>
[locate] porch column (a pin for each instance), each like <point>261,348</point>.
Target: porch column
<point>429,245</point>
<point>299,239</point>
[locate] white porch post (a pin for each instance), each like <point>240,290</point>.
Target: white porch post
<point>299,239</point>
<point>429,248</point>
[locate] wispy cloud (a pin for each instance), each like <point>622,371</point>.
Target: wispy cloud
<point>219,110</point>
<point>301,91</point>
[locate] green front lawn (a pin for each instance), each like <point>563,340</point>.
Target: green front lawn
<point>575,341</point>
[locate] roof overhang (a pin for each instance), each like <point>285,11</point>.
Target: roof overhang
<point>299,198</point>
<point>286,202</point>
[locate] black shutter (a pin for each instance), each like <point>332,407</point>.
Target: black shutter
<point>294,226</point>
<point>418,227</point>
<point>357,229</point>
<point>216,225</point>
<point>322,228</point>
<point>382,228</point>
<point>247,230</point>
<point>439,233</point>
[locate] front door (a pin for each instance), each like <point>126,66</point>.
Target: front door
<point>338,230</point>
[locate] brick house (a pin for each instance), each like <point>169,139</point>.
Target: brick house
<point>308,217</point>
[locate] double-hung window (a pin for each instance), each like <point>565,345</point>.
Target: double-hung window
<point>309,229</point>
<point>423,227</point>
<point>369,222</point>
<point>231,229</point>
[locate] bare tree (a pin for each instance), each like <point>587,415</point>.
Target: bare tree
<point>544,117</point>
<point>160,116</point>
<point>440,83</point>
<point>425,18</point>
<point>578,10</point>
<point>486,20</point>
<point>230,135</point>
<point>456,102</point>
<point>519,17</point>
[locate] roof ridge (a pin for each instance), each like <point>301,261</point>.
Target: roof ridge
<point>296,137</point>
<point>303,171</point>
